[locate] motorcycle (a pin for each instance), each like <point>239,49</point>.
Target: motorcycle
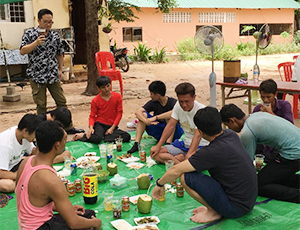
<point>121,58</point>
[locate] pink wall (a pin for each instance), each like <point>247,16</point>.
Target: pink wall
<point>154,30</point>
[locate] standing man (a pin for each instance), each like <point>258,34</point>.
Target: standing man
<point>45,52</point>
<point>231,188</point>
<point>39,190</point>
<point>183,112</point>
<point>162,107</point>
<point>278,179</point>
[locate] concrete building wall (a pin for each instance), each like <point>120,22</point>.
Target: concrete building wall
<point>12,32</point>
<point>155,32</point>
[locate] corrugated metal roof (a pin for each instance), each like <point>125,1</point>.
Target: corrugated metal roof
<point>243,4</point>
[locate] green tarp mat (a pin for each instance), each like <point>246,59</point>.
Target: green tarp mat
<point>174,213</point>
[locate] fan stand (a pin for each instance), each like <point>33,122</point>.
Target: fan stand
<point>255,99</point>
<point>212,81</point>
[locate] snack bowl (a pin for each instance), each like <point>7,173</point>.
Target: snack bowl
<point>103,176</point>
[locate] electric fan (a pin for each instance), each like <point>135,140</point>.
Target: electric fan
<point>263,38</point>
<point>209,41</point>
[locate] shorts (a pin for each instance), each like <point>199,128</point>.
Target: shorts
<point>157,130</point>
<point>58,223</point>
<point>174,150</point>
<point>213,193</point>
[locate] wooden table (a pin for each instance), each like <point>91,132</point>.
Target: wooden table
<point>282,87</point>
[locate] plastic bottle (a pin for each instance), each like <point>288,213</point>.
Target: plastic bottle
<point>90,186</point>
<point>255,73</point>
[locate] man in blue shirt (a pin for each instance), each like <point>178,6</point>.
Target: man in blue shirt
<point>278,179</point>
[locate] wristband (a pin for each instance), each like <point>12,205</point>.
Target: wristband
<point>158,184</point>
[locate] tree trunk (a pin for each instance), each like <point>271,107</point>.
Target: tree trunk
<point>92,45</point>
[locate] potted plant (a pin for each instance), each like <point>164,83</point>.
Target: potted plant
<point>231,65</point>
<point>107,29</point>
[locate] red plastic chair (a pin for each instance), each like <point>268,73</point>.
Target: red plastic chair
<point>288,72</point>
<point>105,59</point>
<point>295,57</point>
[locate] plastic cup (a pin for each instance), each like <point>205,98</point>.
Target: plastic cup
<point>117,208</point>
<point>259,161</point>
<point>67,162</point>
<point>103,149</point>
<point>108,198</point>
<point>169,164</point>
<point>119,144</point>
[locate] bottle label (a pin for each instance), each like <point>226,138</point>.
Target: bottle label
<point>90,185</point>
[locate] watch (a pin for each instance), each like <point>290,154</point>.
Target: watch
<point>158,184</point>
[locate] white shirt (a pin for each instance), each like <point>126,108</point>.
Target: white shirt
<point>186,121</point>
<point>11,151</point>
<point>296,71</point>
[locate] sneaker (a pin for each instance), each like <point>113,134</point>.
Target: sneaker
<point>134,148</point>
<point>132,124</point>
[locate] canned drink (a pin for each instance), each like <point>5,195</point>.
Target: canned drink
<point>78,186</point>
<point>109,159</point>
<point>65,181</point>
<point>73,170</point>
<point>90,188</point>
<point>125,204</point>
<point>173,183</point>
<point>179,190</point>
<point>163,196</point>
<point>143,156</point>
<point>71,189</point>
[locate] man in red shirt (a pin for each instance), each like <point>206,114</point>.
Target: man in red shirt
<point>106,113</point>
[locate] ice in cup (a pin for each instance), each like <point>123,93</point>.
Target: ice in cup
<point>103,149</point>
<point>169,164</point>
<point>142,153</point>
<point>108,198</point>
<point>119,143</point>
<point>259,161</point>
<point>117,208</point>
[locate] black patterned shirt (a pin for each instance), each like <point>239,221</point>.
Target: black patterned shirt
<point>43,64</point>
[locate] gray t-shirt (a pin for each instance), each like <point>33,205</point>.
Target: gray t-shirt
<point>228,162</point>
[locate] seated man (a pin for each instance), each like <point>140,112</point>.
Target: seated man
<point>184,111</point>
<point>278,179</point>
<point>63,115</point>
<point>268,92</point>
<point>106,113</point>
<point>14,143</point>
<point>231,189</point>
<point>162,107</point>
<point>45,193</point>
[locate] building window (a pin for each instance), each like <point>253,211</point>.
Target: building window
<point>276,29</point>
<point>218,27</point>
<point>177,17</point>
<point>216,17</point>
<point>13,12</point>
<point>131,34</point>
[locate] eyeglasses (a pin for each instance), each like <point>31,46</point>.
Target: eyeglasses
<point>47,22</point>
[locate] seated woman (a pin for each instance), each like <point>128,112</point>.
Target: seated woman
<point>106,113</point>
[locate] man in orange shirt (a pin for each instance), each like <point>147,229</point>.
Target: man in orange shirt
<point>106,113</point>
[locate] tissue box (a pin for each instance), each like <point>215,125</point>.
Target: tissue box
<point>118,182</point>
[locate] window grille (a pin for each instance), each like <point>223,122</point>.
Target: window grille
<point>177,17</point>
<point>216,17</point>
<point>13,12</point>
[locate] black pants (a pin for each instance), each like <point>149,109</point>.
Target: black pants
<point>278,180</point>
<point>58,223</point>
<point>99,134</point>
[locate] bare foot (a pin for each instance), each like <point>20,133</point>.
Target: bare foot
<point>199,209</point>
<point>78,136</point>
<point>207,215</point>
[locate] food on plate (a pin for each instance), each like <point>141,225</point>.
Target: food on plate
<point>90,154</point>
<point>144,204</point>
<point>98,166</point>
<point>143,181</point>
<point>147,227</point>
<point>146,220</point>
<point>112,168</point>
<point>123,156</point>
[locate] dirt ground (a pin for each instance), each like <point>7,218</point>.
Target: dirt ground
<point>136,93</point>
